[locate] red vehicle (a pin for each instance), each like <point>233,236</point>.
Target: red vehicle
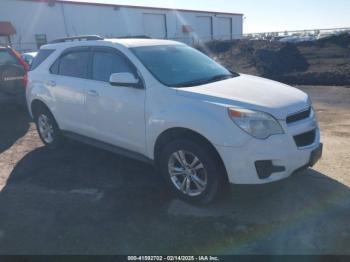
<point>13,75</point>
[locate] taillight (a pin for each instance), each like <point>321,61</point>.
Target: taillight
<point>25,79</point>
<point>25,66</point>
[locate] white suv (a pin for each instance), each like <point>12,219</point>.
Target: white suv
<point>166,103</point>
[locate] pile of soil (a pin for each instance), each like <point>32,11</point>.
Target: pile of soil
<point>321,62</point>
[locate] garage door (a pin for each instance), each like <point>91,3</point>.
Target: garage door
<point>204,28</point>
<point>155,25</point>
<point>224,28</point>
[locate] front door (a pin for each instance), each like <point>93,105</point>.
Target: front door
<point>115,113</point>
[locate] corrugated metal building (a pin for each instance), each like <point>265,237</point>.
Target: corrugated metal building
<point>36,22</point>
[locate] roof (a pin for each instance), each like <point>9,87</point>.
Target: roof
<point>127,42</point>
<point>134,42</point>
<point>6,28</point>
<point>131,6</point>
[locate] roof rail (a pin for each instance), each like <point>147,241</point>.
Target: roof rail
<point>136,36</point>
<point>77,38</point>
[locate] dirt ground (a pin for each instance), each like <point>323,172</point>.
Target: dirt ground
<point>82,200</point>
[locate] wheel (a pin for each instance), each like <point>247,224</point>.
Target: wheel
<point>47,128</point>
<point>192,171</point>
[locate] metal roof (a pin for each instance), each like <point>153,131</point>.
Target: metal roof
<point>6,28</point>
<point>128,6</point>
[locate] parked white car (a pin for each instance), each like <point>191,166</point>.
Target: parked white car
<point>29,57</point>
<point>164,102</point>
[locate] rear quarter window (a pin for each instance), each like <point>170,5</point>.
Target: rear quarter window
<point>41,57</point>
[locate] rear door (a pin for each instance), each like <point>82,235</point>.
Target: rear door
<point>11,73</point>
<point>67,82</point>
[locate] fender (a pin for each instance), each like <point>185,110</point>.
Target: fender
<point>202,117</point>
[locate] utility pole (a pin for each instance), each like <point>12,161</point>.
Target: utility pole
<point>64,19</point>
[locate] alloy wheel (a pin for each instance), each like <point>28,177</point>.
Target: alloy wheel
<point>187,173</point>
<point>46,128</point>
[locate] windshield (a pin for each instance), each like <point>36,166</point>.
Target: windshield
<point>180,65</point>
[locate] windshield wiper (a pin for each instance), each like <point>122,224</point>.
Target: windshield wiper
<point>207,80</point>
<point>220,77</point>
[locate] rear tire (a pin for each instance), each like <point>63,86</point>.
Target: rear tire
<point>192,171</point>
<point>48,129</point>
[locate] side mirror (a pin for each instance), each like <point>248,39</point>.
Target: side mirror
<point>124,79</point>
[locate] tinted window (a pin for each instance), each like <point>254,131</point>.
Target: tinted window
<point>107,63</point>
<point>74,64</point>
<point>40,57</point>
<point>54,67</point>
<point>180,65</point>
<point>7,59</point>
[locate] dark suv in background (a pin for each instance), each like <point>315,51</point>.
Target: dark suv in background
<point>13,75</point>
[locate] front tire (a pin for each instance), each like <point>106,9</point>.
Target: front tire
<point>192,170</point>
<point>48,129</point>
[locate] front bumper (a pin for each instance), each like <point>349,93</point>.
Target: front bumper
<point>280,150</point>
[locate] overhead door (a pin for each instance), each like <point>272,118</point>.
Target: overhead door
<point>204,28</point>
<point>155,25</point>
<point>224,28</point>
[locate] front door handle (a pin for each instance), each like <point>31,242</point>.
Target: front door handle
<point>92,93</point>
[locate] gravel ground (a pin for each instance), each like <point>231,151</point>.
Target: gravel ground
<point>82,200</point>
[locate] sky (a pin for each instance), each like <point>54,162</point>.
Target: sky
<point>265,15</point>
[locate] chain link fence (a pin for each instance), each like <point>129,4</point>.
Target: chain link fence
<point>311,33</point>
<point>195,40</point>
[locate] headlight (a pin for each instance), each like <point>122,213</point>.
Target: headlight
<point>312,113</point>
<point>313,116</point>
<point>258,124</point>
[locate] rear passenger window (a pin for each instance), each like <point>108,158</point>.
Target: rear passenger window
<point>40,57</point>
<point>107,63</point>
<point>74,64</point>
<point>54,67</point>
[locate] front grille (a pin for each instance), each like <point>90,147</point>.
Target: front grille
<point>305,139</point>
<point>298,116</point>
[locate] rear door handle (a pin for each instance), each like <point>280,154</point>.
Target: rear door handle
<point>51,83</point>
<point>92,93</point>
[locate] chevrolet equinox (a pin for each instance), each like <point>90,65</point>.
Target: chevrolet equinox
<point>164,102</point>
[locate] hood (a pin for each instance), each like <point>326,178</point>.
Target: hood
<point>251,92</point>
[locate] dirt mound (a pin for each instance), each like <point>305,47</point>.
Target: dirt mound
<point>281,61</point>
<point>342,40</point>
<point>322,62</point>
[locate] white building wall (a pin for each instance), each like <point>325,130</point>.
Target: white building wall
<point>66,19</point>
<point>237,26</point>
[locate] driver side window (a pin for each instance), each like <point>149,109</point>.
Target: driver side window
<point>106,63</point>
